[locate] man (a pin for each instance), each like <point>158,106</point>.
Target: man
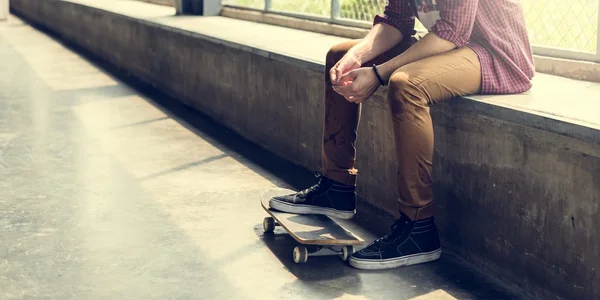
<point>473,47</point>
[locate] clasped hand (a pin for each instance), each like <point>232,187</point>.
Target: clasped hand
<point>354,83</point>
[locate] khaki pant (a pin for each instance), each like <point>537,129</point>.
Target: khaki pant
<point>412,89</point>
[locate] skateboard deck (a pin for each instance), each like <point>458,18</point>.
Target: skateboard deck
<point>319,231</point>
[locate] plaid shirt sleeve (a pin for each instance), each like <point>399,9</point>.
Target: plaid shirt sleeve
<point>398,14</point>
<point>456,20</point>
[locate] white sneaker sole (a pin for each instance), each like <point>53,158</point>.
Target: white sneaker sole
<point>368,264</point>
<point>308,209</point>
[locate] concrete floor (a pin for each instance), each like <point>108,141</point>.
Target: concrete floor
<point>109,192</point>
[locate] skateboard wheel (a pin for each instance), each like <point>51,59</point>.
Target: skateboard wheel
<point>300,255</point>
<point>347,251</point>
<point>268,224</point>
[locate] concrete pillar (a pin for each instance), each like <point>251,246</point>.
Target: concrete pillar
<point>4,8</point>
<point>198,7</point>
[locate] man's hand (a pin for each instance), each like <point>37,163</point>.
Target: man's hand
<point>357,85</point>
<point>348,63</point>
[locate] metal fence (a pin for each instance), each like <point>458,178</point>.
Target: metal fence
<point>557,28</point>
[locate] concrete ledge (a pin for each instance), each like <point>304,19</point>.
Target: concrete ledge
<point>160,2</point>
<point>517,177</point>
<point>581,70</point>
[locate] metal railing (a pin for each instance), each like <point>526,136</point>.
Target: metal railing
<point>557,28</point>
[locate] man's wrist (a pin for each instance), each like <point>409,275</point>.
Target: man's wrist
<point>356,55</point>
<point>388,68</point>
<point>384,71</point>
<point>361,51</point>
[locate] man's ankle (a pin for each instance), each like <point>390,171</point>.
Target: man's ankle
<point>340,182</point>
<point>342,185</point>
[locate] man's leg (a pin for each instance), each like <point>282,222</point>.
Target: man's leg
<point>342,117</point>
<point>339,126</point>
<point>412,89</point>
<point>334,194</point>
<point>414,238</point>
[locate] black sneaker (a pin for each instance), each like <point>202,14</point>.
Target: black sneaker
<point>408,243</point>
<point>327,197</point>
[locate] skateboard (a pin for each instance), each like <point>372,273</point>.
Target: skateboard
<point>318,234</point>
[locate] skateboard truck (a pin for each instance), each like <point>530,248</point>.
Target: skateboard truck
<point>301,253</point>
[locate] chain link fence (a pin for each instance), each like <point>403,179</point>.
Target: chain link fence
<point>257,4</point>
<point>361,10</point>
<point>554,25</point>
<point>570,25</point>
<point>313,7</point>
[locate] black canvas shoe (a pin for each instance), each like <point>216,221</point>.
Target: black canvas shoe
<point>327,197</point>
<point>408,243</point>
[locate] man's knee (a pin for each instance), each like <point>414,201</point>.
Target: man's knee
<point>404,95</point>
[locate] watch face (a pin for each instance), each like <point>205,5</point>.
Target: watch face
<point>428,12</point>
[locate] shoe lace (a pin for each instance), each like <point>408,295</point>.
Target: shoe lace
<point>397,229</point>
<point>315,187</point>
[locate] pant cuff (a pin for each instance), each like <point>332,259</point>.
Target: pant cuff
<point>347,177</point>
<point>417,213</point>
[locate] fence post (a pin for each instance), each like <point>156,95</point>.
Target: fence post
<point>335,9</point>
<point>598,36</point>
<point>197,7</point>
<point>211,7</point>
<point>267,5</point>
<point>4,10</point>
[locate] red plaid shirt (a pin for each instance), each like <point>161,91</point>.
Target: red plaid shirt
<point>494,29</point>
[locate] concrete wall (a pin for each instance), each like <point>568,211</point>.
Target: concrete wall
<point>514,199</point>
